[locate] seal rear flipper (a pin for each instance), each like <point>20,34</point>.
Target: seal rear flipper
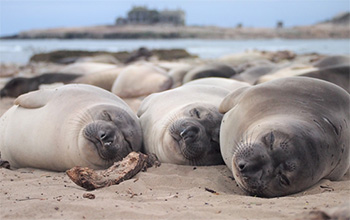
<point>232,99</point>
<point>35,99</point>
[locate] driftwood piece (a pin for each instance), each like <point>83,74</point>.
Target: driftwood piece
<point>118,172</point>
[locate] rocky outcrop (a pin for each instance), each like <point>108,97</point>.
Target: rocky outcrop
<point>340,19</point>
<point>70,56</point>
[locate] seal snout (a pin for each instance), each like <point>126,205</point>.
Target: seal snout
<point>251,167</point>
<point>191,138</point>
<point>106,137</point>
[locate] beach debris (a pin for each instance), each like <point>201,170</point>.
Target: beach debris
<point>117,173</point>
<point>211,191</point>
<point>326,188</point>
<point>132,194</point>
<point>4,164</point>
<point>89,196</point>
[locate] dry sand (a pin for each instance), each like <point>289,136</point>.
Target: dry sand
<point>166,192</point>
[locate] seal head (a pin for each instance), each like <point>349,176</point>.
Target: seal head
<point>111,133</point>
<point>195,135</point>
<point>280,161</point>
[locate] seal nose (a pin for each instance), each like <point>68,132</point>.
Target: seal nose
<point>102,135</point>
<point>241,165</point>
<point>189,133</point>
<point>105,137</point>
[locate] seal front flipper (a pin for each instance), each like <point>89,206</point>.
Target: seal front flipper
<point>232,99</point>
<point>35,99</point>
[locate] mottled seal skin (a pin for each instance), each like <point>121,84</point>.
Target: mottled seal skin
<point>73,125</point>
<point>181,125</point>
<point>285,135</point>
<point>20,85</point>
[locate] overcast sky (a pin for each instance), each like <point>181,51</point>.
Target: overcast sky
<point>20,15</point>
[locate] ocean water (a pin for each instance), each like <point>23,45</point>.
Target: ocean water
<point>20,51</point>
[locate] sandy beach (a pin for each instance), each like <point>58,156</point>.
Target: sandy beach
<point>165,192</point>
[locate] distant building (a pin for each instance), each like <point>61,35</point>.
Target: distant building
<point>142,15</point>
<point>279,24</point>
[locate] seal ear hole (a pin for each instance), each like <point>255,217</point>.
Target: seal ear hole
<point>195,113</point>
<point>106,116</point>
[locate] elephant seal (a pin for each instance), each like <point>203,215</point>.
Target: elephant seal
<point>337,60</point>
<point>20,85</point>
<point>339,75</point>
<point>73,125</point>
<point>181,125</point>
<point>252,74</point>
<point>139,80</point>
<point>209,70</point>
<point>177,74</point>
<point>283,136</point>
<point>87,67</point>
<point>289,71</point>
<point>103,79</point>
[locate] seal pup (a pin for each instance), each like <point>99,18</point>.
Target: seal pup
<point>20,85</point>
<point>252,74</point>
<point>288,71</point>
<point>73,125</point>
<point>87,67</point>
<point>339,75</point>
<point>209,70</point>
<point>139,80</point>
<point>181,125</point>
<point>103,79</point>
<point>336,60</point>
<point>178,73</point>
<point>285,135</point>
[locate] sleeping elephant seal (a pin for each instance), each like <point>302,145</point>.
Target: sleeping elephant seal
<point>209,70</point>
<point>339,75</point>
<point>20,85</point>
<point>181,125</point>
<point>73,125</point>
<point>285,135</point>
<point>336,60</point>
<point>139,80</point>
